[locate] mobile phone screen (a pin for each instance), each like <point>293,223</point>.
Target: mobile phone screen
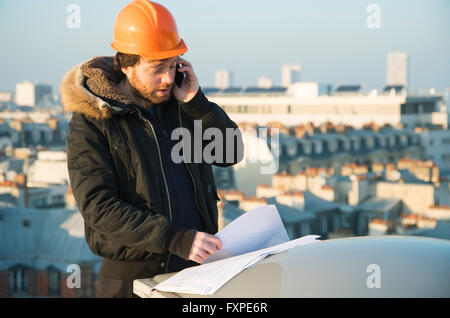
<point>179,76</point>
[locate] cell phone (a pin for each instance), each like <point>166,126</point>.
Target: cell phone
<point>179,76</point>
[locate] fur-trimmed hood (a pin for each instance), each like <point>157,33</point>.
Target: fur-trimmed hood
<point>92,88</point>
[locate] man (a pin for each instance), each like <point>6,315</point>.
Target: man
<point>144,213</point>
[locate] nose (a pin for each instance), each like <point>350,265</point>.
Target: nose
<point>168,77</point>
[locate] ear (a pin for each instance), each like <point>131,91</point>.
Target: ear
<point>126,70</point>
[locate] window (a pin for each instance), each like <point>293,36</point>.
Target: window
<point>365,225</point>
<point>391,141</point>
<point>54,282</point>
<point>58,198</point>
<point>18,280</point>
<point>39,202</point>
<point>305,229</point>
<point>347,221</point>
<point>446,158</point>
<point>318,147</point>
<point>356,143</point>
<point>370,142</point>
<point>323,224</point>
<point>332,146</point>
<point>404,140</point>
<point>336,222</point>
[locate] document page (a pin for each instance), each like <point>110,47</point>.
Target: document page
<point>256,229</point>
<point>246,241</point>
<point>206,279</point>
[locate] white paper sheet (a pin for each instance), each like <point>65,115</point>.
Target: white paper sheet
<point>208,278</point>
<point>254,230</point>
<point>246,241</point>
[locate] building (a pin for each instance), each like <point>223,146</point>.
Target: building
<point>40,251</point>
<point>223,79</point>
<point>359,198</point>
<point>337,147</point>
<point>436,145</point>
<point>5,97</point>
<point>49,168</point>
<point>25,94</point>
<point>264,82</point>
<point>397,69</point>
<point>34,179</point>
<point>28,131</point>
<point>30,94</point>
<point>22,194</point>
<point>303,89</point>
<point>378,215</point>
<point>301,104</point>
<point>290,74</point>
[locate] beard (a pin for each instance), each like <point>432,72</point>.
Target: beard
<point>146,92</point>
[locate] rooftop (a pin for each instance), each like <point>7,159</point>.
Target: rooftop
<point>289,214</point>
<point>441,231</point>
<point>43,238</point>
<point>379,204</point>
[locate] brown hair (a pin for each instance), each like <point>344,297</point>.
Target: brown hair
<point>124,60</point>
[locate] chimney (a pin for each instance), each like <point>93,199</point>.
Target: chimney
<point>359,191</point>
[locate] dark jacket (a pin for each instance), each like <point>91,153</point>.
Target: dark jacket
<point>116,173</point>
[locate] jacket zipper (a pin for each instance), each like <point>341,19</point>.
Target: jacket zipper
<point>148,123</point>
<point>184,161</point>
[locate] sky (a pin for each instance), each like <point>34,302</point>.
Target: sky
<point>252,38</point>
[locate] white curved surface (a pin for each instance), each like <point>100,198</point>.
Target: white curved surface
<point>408,267</point>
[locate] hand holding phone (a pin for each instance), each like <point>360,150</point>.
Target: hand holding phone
<point>179,76</point>
<point>186,82</point>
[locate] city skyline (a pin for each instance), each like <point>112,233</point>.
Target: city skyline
<point>316,120</point>
<point>326,42</point>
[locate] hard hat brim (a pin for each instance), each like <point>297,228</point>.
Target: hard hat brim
<point>180,49</point>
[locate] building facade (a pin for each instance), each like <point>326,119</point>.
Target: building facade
<point>397,69</point>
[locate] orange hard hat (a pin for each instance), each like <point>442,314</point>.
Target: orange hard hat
<point>147,29</point>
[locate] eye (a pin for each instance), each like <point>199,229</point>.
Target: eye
<point>157,71</point>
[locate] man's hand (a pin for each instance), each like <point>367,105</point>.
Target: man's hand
<point>204,245</point>
<point>190,85</point>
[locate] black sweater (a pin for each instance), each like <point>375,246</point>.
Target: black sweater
<point>185,211</point>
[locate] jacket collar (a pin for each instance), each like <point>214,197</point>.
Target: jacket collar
<point>92,88</point>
